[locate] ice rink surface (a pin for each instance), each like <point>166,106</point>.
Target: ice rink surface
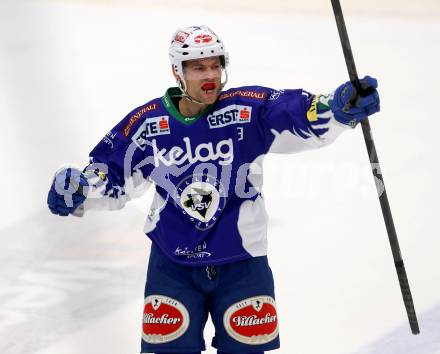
<point>71,70</point>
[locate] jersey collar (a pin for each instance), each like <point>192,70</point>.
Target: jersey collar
<point>174,112</point>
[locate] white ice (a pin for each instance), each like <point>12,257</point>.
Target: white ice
<point>70,70</point>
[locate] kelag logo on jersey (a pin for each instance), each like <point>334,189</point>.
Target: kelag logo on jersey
<point>233,114</point>
<point>151,127</point>
<point>202,198</point>
<point>204,152</point>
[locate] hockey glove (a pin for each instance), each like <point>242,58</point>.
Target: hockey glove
<point>350,107</point>
<point>68,191</point>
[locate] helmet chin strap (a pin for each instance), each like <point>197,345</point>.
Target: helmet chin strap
<point>182,85</point>
<point>185,94</point>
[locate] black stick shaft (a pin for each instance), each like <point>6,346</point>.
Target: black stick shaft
<point>380,185</point>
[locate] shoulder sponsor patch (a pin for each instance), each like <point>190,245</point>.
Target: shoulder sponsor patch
<point>136,116</point>
<point>243,93</point>
<point>165,319</point>
<point>233,114</point>
<point>252,321</point>
<point>151,127</point>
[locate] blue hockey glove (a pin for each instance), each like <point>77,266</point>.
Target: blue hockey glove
<point>67,192</point>
<point>350,107</point>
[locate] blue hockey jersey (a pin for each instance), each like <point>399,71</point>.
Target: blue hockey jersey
<point>207,169</point>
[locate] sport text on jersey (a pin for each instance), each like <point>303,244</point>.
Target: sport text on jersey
<point>232,114</point>
<point>204,152</point>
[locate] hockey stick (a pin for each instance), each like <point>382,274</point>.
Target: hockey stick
<point>380,185</point>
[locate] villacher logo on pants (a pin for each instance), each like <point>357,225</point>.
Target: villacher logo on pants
<point>252,321</point>
<point>165,319</point>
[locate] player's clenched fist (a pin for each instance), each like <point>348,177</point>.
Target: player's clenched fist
<point>67,192</point>
<point>350,107</point>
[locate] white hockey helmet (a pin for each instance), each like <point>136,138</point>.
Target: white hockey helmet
<point>196,42</point>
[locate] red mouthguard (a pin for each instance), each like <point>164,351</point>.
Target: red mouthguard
<point>208,86</point>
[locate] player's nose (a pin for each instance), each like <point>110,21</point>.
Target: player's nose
<point>212,73</point>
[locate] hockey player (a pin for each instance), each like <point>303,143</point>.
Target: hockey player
<point>203,148</point>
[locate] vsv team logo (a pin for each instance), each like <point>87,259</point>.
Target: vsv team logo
<point>202,198</point>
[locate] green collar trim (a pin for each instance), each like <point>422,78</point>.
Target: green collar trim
<point>174,112</point>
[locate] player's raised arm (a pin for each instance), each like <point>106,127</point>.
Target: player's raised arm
<point>296,120</point>
<point>118,172</point>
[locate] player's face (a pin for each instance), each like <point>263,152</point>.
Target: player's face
<point>203,78</point>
